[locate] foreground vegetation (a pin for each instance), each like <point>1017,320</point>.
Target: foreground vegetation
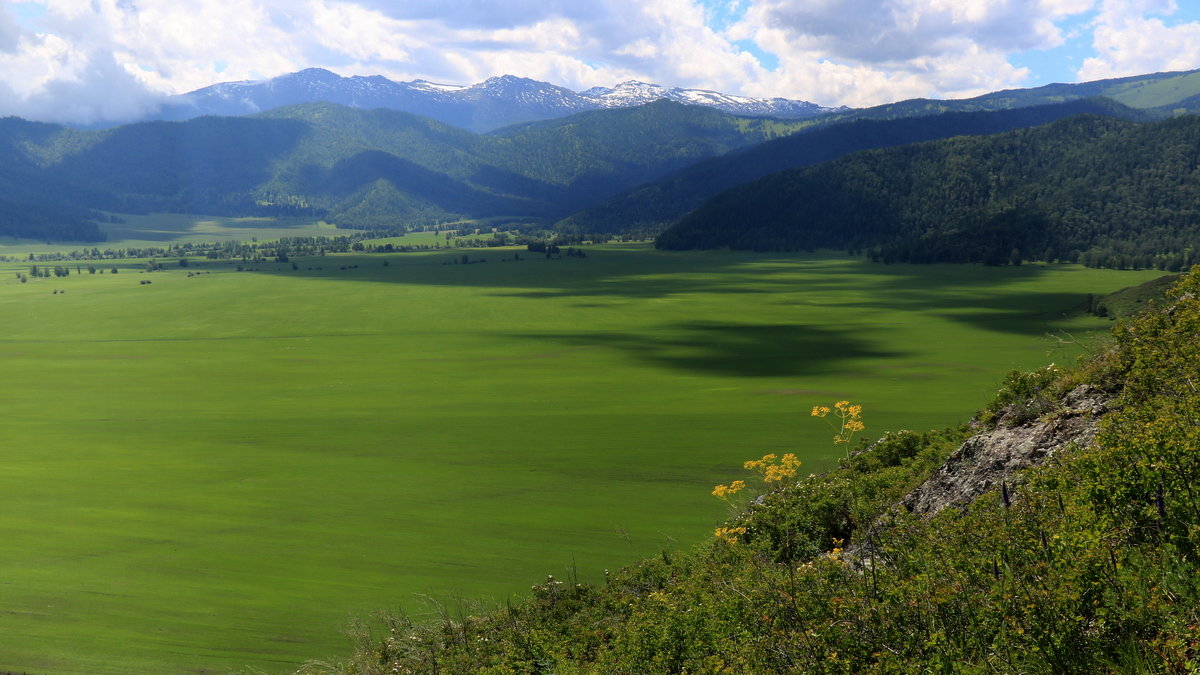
<point>1092,565</point>
<point>250,458</point>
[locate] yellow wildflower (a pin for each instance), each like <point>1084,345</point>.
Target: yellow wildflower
<point>851,421</point>
<point>729,534</point>
<point>759,464</point>
<point>836,552</point>
<point>723,491</point>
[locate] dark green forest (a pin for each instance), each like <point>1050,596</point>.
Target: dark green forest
<point>1090,189</point>
<point>654,206</point>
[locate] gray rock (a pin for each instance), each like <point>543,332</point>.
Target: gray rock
<point>990,458</point>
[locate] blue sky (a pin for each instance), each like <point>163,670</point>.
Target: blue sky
<point>104,60</point>
<point>1063,63</point>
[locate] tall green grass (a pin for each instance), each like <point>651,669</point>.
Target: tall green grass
<point>220,470</point>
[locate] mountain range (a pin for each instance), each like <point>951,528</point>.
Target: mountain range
<point>489,105</point>
<point>614,169</point>
<point>652,207</point>
<point>1089,188</point>
<point>354,167</point>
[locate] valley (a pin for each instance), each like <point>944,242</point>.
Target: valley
<point>222,469</point>
<point>367,338</point>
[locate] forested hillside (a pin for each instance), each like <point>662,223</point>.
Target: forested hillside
<point>34,205</point>
<point>924,552</point>
<point>1096,190</point>
<point>356,168</point>
<point>1158,95</point>
<point>654,206</point>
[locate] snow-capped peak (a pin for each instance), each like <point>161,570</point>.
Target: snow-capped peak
<point>497,101</point>
<point>634,92</point>
<point>433,86</point>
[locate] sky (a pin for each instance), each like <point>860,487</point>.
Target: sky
<point>93,61</point>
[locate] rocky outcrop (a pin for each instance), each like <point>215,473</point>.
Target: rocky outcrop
<point>991,458</point>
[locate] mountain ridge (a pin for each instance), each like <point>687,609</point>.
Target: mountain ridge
<point>358,168</point>
<point>651,207</point>
<point>1092,189</point>
<point>486,106</point>
<point>327,160</point>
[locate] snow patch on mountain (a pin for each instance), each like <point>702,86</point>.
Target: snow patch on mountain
<point>637,93</point>
<point>495,102</point>
<point>426,85</point>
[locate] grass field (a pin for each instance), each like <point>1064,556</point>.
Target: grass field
<point>162,229</point>
<point>219,471</point>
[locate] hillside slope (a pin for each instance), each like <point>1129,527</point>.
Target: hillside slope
<point>32,204</point>
<point>359,168</point>
<point>654,206</point>
<point>1091,189</point>
<point>1158,94</point>
<point>650,208</point>
<point>1079,556</point>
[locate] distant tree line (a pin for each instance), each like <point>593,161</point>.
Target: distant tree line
<point>252,251</point>
<point>283,249</point>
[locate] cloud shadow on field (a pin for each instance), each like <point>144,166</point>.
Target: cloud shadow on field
<point>738,349</point>
<point>1021,312</point>
<point>997,299</point>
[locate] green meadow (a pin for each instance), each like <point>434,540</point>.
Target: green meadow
<point>162,229</point>
<point>221,469</point>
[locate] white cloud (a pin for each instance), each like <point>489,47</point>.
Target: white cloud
<point>360,33</point>
<point>1060,8</point>
<point>887,31</point>
<point>580,45</point>
<point>641,49</point>
<point>54,78</point>
<point>865,52</point>
<point>556,34</point>
<point>104,59</point>
<point>1127,42</point>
